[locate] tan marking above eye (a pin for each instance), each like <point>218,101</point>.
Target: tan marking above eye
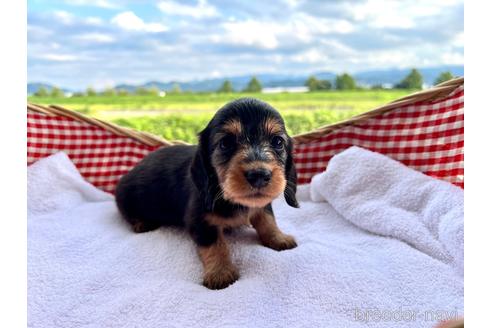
<point>232,126</point>
<point>273,126</point>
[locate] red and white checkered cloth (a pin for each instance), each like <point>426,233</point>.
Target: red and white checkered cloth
<point>102,157</point>
<point>425,136</point>
<point>428,137</point>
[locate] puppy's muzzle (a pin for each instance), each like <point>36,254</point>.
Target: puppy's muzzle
<point>258,178</point>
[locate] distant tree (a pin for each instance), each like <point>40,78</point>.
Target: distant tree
<point>91,92</point>
<point>109,92</point>
<point>41,92</point>
<point>443,77</point>
<point>314,84</point>
<point>345,82</point>
<point>226,87</point>
<point>413,80</point>
<point>78,94</point>
<point>122,92</point>
<point>176,88</point>
<point>311,83</point>
<point>154,91</point>
<point>254,86</point>
<point>141,91</point>
<point>324,85</point>
<point>57,93</point>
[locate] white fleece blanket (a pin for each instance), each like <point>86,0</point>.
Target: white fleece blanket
<point>380,245</point>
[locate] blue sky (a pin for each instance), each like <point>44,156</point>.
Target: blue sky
<point>77,43</point>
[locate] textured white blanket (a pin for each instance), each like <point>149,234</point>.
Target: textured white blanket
<point>379,245</point>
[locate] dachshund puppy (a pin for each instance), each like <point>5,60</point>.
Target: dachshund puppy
<point>242,162</point>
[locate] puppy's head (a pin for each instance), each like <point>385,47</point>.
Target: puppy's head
<point>245,155</point>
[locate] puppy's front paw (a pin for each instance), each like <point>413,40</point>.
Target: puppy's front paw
<point>280,242</point>
<point>221,277</point>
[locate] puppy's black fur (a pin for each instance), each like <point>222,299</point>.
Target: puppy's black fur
<point>244,156</point>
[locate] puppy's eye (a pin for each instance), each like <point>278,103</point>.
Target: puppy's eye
<point>277,142</point>
<point>227,143</point>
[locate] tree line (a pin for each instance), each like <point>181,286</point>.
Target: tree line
<point>413,80</point>
<point>345,81</point>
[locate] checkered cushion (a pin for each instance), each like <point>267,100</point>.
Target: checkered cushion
<point>425,136</point>
<point>428,137</point>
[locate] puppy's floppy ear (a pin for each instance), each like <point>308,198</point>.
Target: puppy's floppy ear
<point>291,177</point>
<point>202,171</point>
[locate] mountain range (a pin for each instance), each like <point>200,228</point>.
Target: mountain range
<point>367,78</point>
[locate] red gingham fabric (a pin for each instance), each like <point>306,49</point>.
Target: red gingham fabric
<point>425,136</point>
<point>428,137</point>
<point>102,157</point>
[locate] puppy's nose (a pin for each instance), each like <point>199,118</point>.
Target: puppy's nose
<point>258,178</point>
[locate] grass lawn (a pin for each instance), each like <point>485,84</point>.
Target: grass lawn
<point>182,116</point>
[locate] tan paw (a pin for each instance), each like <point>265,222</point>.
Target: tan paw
<point>280,242</point>
<point>221,278</point>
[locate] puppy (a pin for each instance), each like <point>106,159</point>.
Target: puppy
<point>242,162</point>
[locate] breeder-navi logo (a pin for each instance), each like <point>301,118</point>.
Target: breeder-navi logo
<point>401,315</point>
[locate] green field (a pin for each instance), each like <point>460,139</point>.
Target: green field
<point>182,116</point>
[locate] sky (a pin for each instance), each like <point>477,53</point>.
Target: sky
<point>100,43</point>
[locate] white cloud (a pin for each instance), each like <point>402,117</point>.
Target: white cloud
<point>324,25</point>
<point>388,58</point>
<point>54,45</point>
<point>292,3</point>
<point>38,31</point>
<point>453,58</point>
<point>95,3</point>
<point>215,74</point>
<point>63,16</point>
<point>459,40</point>
<point>311,56</point>
<point>398,14</point>
<point>68,18</point>
<point>424,56</point>
<point>93,21</point>
<point>335,46</point>
<point>96,37</point>
<point>299,29</point>
<point>201,10</point>
<point>129,21</point>
<point>58,57</point>
<point>250,33</point>
<point>324,52</point>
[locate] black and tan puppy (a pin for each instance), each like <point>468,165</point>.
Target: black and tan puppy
<point>243,161</point>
